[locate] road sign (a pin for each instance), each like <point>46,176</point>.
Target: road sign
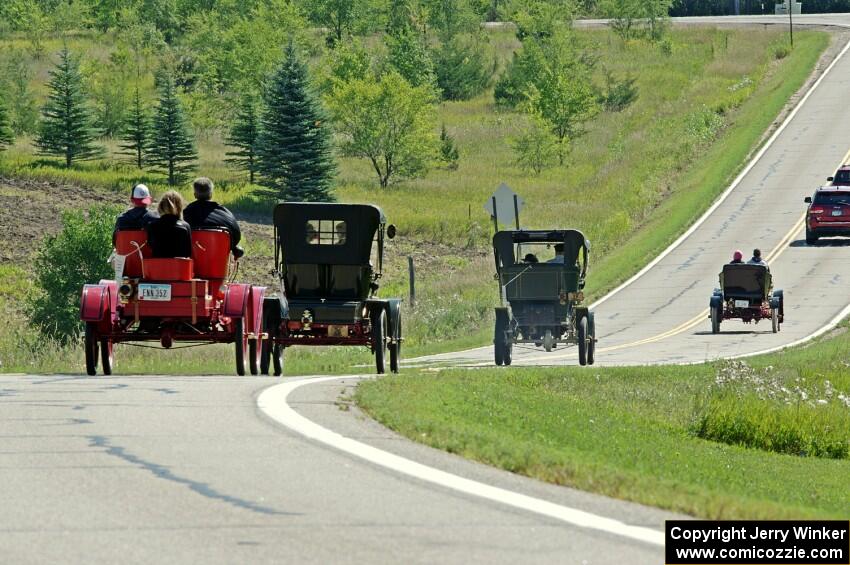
<point>504,205</point>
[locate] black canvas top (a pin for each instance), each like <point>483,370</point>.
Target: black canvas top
<point>745,279</point>
<point>329,234</point>
<point>573,240</point>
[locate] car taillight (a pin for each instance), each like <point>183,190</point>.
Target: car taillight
<point>816,211</point>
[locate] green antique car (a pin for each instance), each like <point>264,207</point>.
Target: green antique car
<point>541,300</point>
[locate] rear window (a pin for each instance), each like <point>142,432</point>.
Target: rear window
<point>842,177</point>
<point>832,198</point>
<point>326,232</point>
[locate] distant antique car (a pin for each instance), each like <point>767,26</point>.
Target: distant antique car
<point>841,177</point>
<point>329,258</point>
<point>746,293</point>
<point>541,301</point>
<point>172,300</point>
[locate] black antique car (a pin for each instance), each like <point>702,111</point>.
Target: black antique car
<point>541,300</point>
<point>328,258</point>
<point>746,293</point>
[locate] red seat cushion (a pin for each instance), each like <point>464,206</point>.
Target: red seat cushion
<point>211,253</point>
<point>124,245</point>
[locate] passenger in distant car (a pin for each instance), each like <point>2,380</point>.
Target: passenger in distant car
<point>559,254</point>
<point>530,258</point>
<point>756,259</point>
<point>737,258</point>
<point>170,236</point>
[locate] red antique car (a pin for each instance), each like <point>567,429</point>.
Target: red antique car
<point>172,300</point>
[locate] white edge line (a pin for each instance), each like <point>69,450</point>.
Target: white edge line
<point>273,402</point>
<point>731,187</point>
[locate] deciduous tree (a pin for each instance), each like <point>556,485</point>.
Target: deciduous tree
<point>389,122</point>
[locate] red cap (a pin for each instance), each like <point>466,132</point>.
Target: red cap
<point>737,256</point>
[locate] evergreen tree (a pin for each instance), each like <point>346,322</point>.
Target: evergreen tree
<point>66,127</point>
<point>6,135</point>
<point>293,151</point>
<point>171,147</point>
<point>136,134</point>
<point>244,137</point>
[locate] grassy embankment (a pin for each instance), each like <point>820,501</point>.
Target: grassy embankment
<point>632,183</point>
<point>769,438</point>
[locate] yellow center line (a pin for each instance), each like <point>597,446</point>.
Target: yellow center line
<point>685,326</point>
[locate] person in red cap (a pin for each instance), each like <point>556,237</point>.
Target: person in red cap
<point>737,258</point>
<point>138,217</point>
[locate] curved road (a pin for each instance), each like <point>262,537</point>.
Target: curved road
<point>174,470</point>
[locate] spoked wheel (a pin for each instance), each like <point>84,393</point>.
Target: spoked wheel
<point>774,318</point>
<point>277,359</point>
<point>271,356</point>
<point>500,339</point>
<point>715,320</point>
<point>240,339</point>
<point>591,339</point>
<point>90,345</point>
<point>254,353</point>
<point>395,348</point>
<point>582,341</point>
<point>548,341</point>
<point>379,339</point>
<point>107,358</point>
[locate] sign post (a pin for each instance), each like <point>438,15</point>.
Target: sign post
<point>503,200</point>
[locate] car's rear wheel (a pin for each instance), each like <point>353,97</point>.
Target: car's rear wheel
<point>548,341</point>
<point>507,352</point>
<point>379,339</point>
<point>277,359</point>
<point>240,339</point>
<point>715,320</point>
<point>499,337</point>
<point>107,358</point>
<point>254,353</point>
<point>581,334</point>
<point>90,345</point>
<point>395,347</point>
<point>811,238</point>
<point>774,317</point>
<point>591,339</point>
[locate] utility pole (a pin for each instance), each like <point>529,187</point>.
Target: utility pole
<point>791,21</point>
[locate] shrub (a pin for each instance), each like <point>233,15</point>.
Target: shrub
<point>448,149</point>
<point>75,256</point>
<point>704,125</point>
<point>617,95</point>
<point>536,147</point>
<point>464,67</point>
<point>780,50</point>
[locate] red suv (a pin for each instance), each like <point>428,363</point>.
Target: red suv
<point>829,211</point>
<point>841,178</point>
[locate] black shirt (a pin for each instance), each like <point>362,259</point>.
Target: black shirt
<point>208,214</point>
<point>169,236</point>
<point>136,218</point>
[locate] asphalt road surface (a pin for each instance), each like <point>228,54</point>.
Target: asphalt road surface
<point>141,469</point>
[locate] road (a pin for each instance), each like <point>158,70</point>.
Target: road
<point>141,469</point>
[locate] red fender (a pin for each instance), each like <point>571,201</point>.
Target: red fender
<point>255,314</point>
<point>236,300</point>
<point>113,297</point>
<point>95,303</point>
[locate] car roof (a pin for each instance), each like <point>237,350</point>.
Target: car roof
<point>833,188</point>
<point>844,167</point>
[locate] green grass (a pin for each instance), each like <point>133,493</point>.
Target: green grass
<point>635,181</point>
<point>637,432</point>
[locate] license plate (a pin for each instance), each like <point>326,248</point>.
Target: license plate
<point>742,304</point>
<point>337,331</point>
<point>837,212</point>
<point>155,292</point>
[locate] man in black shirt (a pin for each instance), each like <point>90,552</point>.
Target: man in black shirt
<point>138,217</point>
<point>204,212</point>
